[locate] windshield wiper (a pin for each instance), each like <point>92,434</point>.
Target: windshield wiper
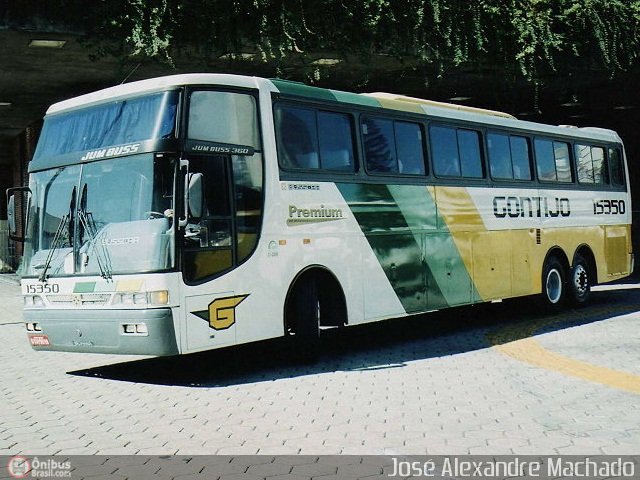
<point>55,244</point>
<point>65,221</point>
<point>88,225</point>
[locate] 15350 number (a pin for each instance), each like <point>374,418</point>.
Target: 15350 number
<point>609,207</point>
<point>42,288</point>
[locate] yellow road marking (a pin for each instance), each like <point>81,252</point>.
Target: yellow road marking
<point>530,351</point>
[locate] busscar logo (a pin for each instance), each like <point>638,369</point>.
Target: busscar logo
<point>221,313</point>
<point>120,241</point>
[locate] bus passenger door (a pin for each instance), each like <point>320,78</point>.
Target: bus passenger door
<point>208,251</point>
<point>221,232</point>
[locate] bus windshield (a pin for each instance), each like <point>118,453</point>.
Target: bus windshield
<point>148,117</point>
<point>106,217</point>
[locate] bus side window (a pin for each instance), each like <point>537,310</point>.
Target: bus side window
<point>309,139</point>
<point>298,139</point>
<point>470,158</point>
<point>520,157</point>
<point>379,145</point>
<point>617,169</point>
<point>393,146</point>
<point>591,165</point>
<point>335,135</point>
<point>499,156</point>
<point>410,148</point>
<point>584,163</point>
<point>553,161</point>
<point>563,162</point>
<point>509,157</point>
<point>456,152</point>
<point>444,147</point>
<point>600,172</point>
<point>545,162</point>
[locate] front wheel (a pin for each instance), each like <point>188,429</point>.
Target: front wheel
<point>553,283</point>
<point>580,280</point>
<point>303,319</point>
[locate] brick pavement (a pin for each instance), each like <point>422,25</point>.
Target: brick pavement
<point>394,389</point>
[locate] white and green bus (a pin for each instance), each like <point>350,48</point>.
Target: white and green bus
<point>198,211</point>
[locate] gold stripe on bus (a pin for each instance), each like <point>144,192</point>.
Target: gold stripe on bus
<point>457,209</point>
<point>505,263</point>
<point>395,104</point>
<point>129,286</point>
<point>386,97</point>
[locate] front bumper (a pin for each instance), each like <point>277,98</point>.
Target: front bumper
<point>102,331</point>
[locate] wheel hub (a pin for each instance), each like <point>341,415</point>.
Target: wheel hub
<point>580,279</point>
<point>554,286</point>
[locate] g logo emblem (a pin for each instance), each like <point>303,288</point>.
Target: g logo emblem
<point>221,313</point>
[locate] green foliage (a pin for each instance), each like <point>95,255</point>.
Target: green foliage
<point>524,38</point>
<point>148,24</point>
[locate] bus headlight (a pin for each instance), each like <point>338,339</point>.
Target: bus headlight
<point>160,297</point>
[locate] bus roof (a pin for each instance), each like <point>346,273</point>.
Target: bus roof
<point>295,89</point>
<point>156,84</point>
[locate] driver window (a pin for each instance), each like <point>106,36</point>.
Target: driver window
<point>208,239</point>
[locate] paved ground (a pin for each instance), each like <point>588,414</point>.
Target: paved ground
<point>494,379</point>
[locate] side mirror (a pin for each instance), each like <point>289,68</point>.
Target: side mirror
<point>194,193</point>
<point>12,214</point>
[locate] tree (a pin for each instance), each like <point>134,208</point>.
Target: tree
<point>528,39</point>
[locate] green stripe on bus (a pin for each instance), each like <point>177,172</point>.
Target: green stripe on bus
<point>422,262</point>
<point>84,287</point>
<point>301,90</point>
<point>441,255</point>
<point>354,98</point>
<point>397,248</point>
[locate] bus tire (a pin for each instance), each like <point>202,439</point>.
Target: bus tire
<point>580,280</point>
<point>303,320</point>
<point>553,283</point>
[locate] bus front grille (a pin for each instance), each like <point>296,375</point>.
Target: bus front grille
<point>80,299</point>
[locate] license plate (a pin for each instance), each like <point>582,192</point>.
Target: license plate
<point>39,340</point>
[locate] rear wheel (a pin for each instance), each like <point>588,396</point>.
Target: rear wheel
<point>553,283</point>
<point>580,280</point>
